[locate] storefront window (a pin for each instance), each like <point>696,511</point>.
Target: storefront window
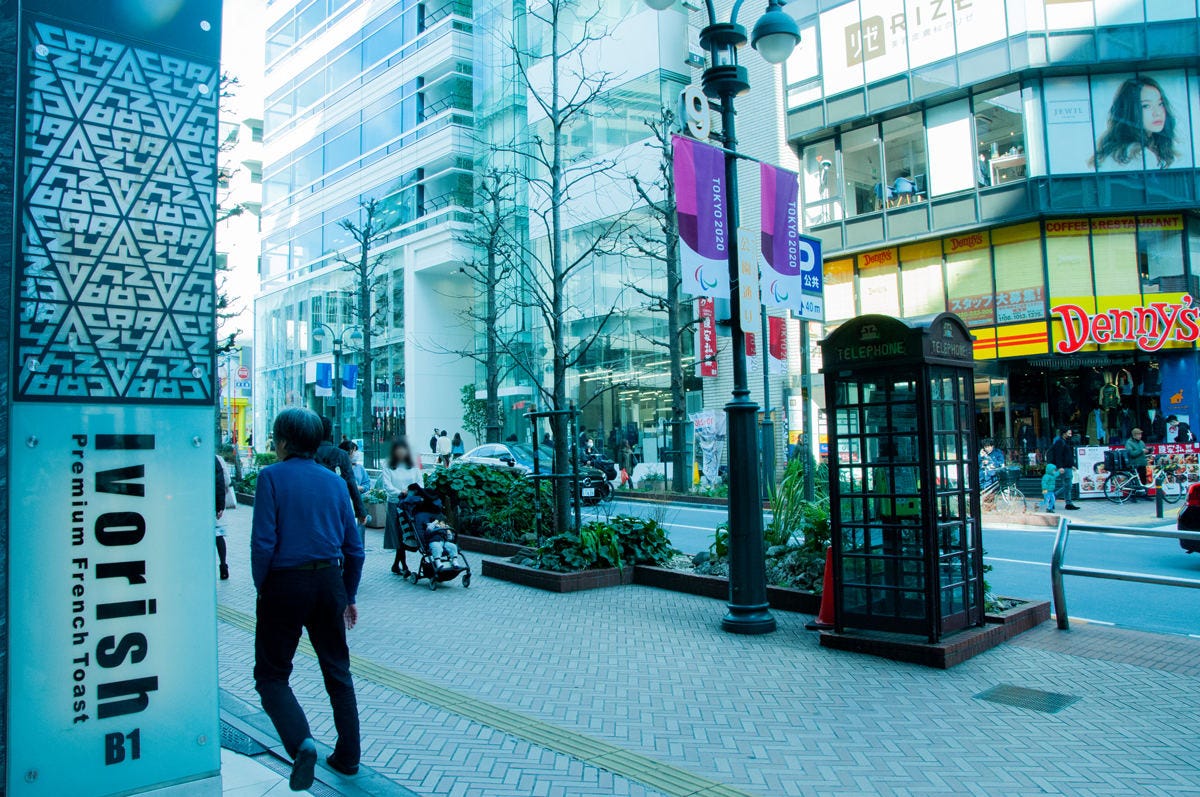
<point>969,278</point>
<point>861,170</point>
<point>1000,136</point>
<point>1020,287</point>
<point>1160,254</point>
<point>878,283</point>
<point>921,280</point>
<point>906,174</point>
<point>822,184</point>
<point>839,289</point>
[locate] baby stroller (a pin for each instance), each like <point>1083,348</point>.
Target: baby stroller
<point>420,511</point>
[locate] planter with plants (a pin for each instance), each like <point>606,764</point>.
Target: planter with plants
<point>375,501</point>
<point>492,510</point>
<point>603,554</point>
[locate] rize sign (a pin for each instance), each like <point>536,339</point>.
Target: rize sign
<point>112,619</point>
<point>1149,328</point>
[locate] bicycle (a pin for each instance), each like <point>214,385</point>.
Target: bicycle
<point>1126,483</point>
<point>1002,495</point>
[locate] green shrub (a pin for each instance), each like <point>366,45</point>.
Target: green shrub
<point>247,484</point>
<point>375,496</point>
<point>265,458</point>
<point>597,546</point>
<point>643,541</point>
<point>488,502</point>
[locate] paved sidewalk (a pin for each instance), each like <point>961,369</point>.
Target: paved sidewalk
<point>1139,514</point>
<point>504,690</point>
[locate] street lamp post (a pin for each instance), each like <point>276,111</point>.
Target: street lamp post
<point>338,342</point>
<point>774,36</point>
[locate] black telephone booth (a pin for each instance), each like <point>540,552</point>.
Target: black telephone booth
<point>904,492</point>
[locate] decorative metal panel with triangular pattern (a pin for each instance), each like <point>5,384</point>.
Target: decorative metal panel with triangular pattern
<point>115,296</point>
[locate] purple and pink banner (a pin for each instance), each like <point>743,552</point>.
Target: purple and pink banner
<point>700,204</point>
<point>790,270</point>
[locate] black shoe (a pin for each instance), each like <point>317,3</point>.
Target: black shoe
<point>224,572</point>
<point>302,768</point>
<point>343,769</point>
<point>396,569</point>
<point>1070,506</point>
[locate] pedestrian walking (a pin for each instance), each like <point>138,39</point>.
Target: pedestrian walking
<point>338,461</point>
<point>224,484</point>
<point>307,559</point>
<point>361,478</point>
<point>433,441</point>
<point>457,449</point>
<point>1049,485</point>
<point>400,474</point>
<point>444,448</point>
<point>1063,456</point>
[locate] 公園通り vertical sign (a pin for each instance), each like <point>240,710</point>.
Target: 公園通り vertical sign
<point>702,210</point>
<point>112,617</point>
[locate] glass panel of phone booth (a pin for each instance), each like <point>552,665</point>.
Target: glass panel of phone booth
<point>883,557</point>
<point>951,394</point>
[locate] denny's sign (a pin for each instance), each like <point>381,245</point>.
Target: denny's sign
<point>1149,328</point>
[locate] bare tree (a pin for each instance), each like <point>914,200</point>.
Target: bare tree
<point>492,271</point>
<point>364,266</point>
<point>661,244</point>
<point>566,89</point>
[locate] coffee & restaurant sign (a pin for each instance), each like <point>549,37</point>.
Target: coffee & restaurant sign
<point>1149,327</point>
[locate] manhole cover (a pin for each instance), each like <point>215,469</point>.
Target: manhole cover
<point>1023,697</point>
<point>238,742</point>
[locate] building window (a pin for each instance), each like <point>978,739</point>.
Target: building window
<point>822,184</point>
<point>969,278</point>
<point>906,174</point>
<point>878,290</point>
<point>1000,136</point>
<point>1020,281</point>
<point>861,158</point>
<point>1160,254</point>
<point>839,289</point>
<point>921,282</point>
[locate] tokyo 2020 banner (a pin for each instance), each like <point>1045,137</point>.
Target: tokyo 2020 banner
<point>790,269</point>
<point>701,205</point>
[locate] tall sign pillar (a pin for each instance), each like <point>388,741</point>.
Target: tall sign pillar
<point>110,603</point>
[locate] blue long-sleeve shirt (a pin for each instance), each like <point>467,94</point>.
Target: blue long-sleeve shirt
<point>302,514</point>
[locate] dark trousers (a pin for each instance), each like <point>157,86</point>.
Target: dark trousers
<point>312,600</point>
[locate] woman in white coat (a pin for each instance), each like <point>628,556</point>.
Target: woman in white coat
<point>396,478</point>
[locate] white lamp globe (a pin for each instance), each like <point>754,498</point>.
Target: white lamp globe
<point>660,5</point>
<point>775,35</point>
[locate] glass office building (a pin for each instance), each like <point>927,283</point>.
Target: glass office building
<point>364,101</point>
<point>404,103</point>
<point>1030,165</point>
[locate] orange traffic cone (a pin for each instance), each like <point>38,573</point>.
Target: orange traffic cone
<point>824,619</point>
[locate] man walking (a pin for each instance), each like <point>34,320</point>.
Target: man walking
<point>306,558</point>
<point>338,461</point>
<point>1063,455</point>
<point>444,448</point>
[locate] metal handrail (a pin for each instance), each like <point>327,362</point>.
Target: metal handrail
<point>1057,570</point>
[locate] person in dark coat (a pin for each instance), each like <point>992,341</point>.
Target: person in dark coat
<point>338,461</point>
<point>222,488</point>
<point>306,557</point>
<point>1063,455</point>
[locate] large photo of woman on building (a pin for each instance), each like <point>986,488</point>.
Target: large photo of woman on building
<point>1146,123</point>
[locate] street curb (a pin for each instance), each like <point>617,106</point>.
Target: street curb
<point>243,718</point>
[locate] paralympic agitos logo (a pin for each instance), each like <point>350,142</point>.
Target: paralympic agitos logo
<point>1150,328</point>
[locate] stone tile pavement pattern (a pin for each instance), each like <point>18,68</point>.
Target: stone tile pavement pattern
<point>649,670</point>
